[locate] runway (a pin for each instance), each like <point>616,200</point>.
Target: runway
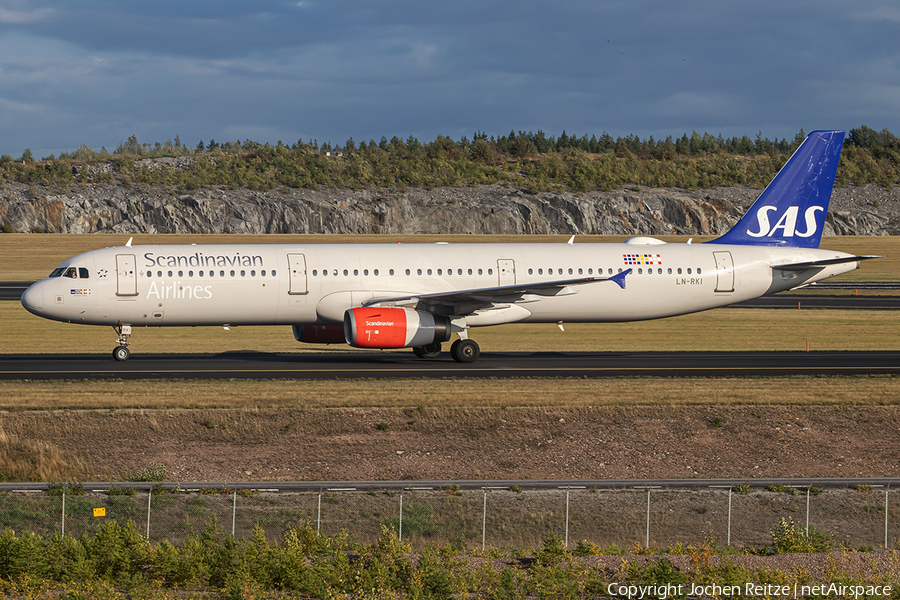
<point>402,364</point>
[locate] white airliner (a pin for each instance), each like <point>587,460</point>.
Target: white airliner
<point>419,295</point>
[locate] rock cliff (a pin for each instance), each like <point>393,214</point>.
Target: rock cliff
<point>475,210</point>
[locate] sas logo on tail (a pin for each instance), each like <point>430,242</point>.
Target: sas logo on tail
<point>787,223</point>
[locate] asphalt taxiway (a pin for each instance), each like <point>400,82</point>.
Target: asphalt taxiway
<point>403,364</point>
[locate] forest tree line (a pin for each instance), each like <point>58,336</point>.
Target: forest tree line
<point>531,161</point>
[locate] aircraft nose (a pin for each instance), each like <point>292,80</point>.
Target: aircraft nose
<point>33,299</point>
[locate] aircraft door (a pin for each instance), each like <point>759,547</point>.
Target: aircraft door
<point>297,268</point>
<point>126,275</point>
<point>506,269</point>
<point>724,272</point>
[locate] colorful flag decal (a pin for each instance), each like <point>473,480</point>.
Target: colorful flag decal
<point>642,259</point>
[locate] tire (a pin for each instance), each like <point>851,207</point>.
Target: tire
<point>432,350</point>
<point>121,353</point>
<point>465,351</point>
<point>419,351</point>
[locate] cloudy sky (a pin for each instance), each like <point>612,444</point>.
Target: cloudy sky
<point>97,71</point>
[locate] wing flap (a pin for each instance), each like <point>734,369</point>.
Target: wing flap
<point>504,293</point>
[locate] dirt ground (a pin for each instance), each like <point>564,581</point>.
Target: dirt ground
<point>463,443</point>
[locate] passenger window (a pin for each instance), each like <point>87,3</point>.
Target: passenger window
<point>591,271</point>
<point>324,272</point>
<point>149,273</point>
<point>181,273</point>
<point>689,271</point>
<point>346,272</point>
<point>640,271</point>
<point>698,270</point>
<point>470,271</point>
<point>253,273</point>
<point>459,271</point>
<point>540,271</point>
<point>490,271</point>
<point>366,272</point>
<point>375,272</point>
<point>159,274</point>
<point>391,272</point>
<point>231,273</point>
<point>428,271</point>
<point>549,271</point>
<point>407,271</point>
<point>570,271</point>
<point>190,273</point>
<point>479,271</point>
<point>201,273</point>
<point>418,271</point>
<point>670,270</point>
<point>530,272</point>
<point>263,272</point>
<point>356,272</point>
<point>679,270</point>
<point>221,273</point>
<point>440,272</point>
<point>581,271</point>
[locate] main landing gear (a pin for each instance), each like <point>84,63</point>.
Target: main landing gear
<point>432,350</point>
<point>462,351</point>
<point>121,352</point>
<point>465,351</point>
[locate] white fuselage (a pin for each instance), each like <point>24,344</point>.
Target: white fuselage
<point>314,284</point>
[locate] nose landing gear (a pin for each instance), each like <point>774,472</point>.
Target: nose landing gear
<point>121,352</point>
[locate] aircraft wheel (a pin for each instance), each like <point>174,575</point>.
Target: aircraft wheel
<point>419,351</point>
<point>121,353</point>
<point>465,351</point>
<point>432,350</point>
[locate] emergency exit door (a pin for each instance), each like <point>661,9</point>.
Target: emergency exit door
<point>297,269</point>
<point>724,272</point>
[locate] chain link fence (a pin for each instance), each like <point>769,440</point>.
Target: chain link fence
<point>485,518</point>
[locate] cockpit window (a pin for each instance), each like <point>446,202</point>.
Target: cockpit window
<point>83,273</point>
<point>71,273</point>
<point>57,271</point>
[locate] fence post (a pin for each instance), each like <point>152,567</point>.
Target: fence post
<point>567,518</point>
<point>400,528</point>
<point>64,511</point>
<point>149,497</point>
<point>647,545</point>
<point>807,509</point>
<point>319,514</point>
<point>483,520</point>
<point>233,510</point>
<point>886,516</point>
<point>729,517</point>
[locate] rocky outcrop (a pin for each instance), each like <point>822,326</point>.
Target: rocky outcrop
<point>475,210</point>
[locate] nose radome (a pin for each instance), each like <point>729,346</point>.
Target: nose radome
<point>33,299</point>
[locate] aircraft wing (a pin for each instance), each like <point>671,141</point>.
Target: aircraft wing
<point>503,293</point>
<point>803,266</point>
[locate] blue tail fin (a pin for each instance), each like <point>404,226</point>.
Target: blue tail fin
<point>791,210</point>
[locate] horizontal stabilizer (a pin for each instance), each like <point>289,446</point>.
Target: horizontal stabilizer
<point>821,263</point>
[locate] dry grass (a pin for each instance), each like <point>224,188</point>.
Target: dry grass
<point>448,394</point>
<point>28,459</point>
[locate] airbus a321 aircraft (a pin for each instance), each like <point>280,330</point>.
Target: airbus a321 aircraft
<point>419,295</point>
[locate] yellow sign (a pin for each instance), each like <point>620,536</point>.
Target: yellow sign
<point>99,512</point>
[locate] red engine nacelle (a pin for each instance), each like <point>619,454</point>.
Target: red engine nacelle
<point>372,327</point>
<point>319,334</point>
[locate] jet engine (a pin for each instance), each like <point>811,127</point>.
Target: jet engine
<point>373,327</point>
<point>319,334</point>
